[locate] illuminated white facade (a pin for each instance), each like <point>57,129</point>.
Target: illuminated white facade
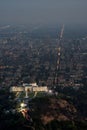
<point>29,88</point>
<point>16,89</point>
<point>40,89</point>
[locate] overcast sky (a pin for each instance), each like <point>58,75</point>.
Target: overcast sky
<point>43,11</point>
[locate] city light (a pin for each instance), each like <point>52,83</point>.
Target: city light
<point>23,105</point>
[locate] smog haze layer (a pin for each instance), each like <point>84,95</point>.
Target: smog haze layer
<point>45,12</point>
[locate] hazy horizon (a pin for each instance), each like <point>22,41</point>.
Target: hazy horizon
<point>43,12</point>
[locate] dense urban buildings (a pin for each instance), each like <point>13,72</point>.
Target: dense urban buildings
<point>28,56</point>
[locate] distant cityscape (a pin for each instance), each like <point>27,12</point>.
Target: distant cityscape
<point>26,57</point>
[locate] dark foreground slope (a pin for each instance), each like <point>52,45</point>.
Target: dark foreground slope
<point>61,112</point>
